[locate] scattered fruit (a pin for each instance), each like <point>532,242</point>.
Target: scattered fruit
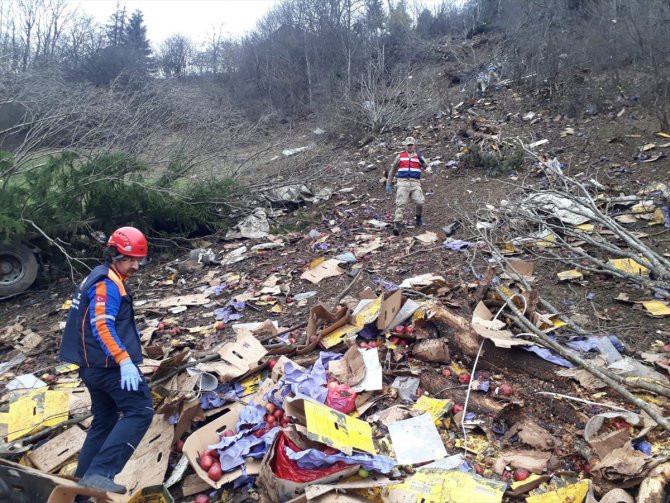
<point>179,446</point>
<point>202,498</point>
<point>215,472</point>
<point>372,344</point>
<point>258,433</point>
<point>206,462</point>
<point>393,340</point>
<point>464,378</point>
<point>363,473</point>
<point>456,409</point>
<point>363,344</point>
<point>329,451</point>
<point>479,469</point>
<point>270,407</point>
<point>521,474</point>
<point>272,363</point>
<point>229,433</point>
<point>332,385</point>
<point>220,326</point>
<point>506,390</point>
<point>446,372</point>
<point>400,329</point>
<point>313,338</point>
<point>409,330</point>
<point>271,420</point>
<point>278,414</point>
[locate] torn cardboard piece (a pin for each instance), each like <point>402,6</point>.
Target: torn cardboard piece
<point>326,269</point>
<point>373,371</point>
<point>484,324</point>
<point>237,357</point>
<point>196,299</point>
<point>533,461</point>
<point>350,369</point>
<point>49,456</point>
<point>432,350</point>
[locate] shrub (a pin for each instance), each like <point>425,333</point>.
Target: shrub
<point>496,162</point>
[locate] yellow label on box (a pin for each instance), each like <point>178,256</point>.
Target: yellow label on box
<point>453,486</point>
<point>337,430</point>
<point>656,307</point>
<point>433,406</point>
<point>338,335</point>
<point>368,314</point>
<point>574,493</point>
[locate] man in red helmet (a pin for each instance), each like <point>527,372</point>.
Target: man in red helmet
<point>102,338</point>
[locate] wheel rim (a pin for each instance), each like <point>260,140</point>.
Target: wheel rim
<point>11,269</point>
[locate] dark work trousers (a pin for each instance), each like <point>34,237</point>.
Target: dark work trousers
<point>111,439</point>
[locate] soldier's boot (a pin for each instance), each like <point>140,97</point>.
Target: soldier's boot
<point>396,228</point>
<point>419,220</point>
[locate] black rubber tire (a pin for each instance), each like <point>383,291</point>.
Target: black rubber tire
<point>18,269</point>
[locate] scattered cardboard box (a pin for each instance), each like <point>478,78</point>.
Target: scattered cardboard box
<point>237,357</point>
<point>199,440</point>
<point>350,369</point>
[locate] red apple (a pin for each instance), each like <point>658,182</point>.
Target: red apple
<point>271,420</point>
<point>400,329</point>
<point>179,446</point>
<point>393,340</point>
<point>456,409</point>
<point>464,378</point>
<point>229,433</point>
<point>409,330</point>
<point>446,372</point>
<point>206,462</point>
<point>272,363</point>
<point>363,345</point>
<point>506,390</point>
<point>329,451</point>
<point>258,433</point>
<point>212,453</point>
<point>479,469</point>
<point>521,474</point>
<point>278,414</point>
<point>215,472</point>
<point>270,407</point>
<point>202,498</point>
<point>372,344</point>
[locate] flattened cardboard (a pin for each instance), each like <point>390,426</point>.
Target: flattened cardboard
<point>325,269</point>
<point>149,462</point>
<point>39,486</point>
<point>337,430</point>
<point>521,267</point>
<point>318,315</point>
<point>199,440</point>
<point>196,299</point>
<point>52,454</point>
<point>237,357</point>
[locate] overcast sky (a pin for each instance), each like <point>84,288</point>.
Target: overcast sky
<point>194,18</point>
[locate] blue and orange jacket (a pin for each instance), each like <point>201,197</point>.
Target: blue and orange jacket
<point>100,330</point>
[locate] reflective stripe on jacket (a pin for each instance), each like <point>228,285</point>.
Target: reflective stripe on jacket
<point>409,166</point>
<point>100,330</point>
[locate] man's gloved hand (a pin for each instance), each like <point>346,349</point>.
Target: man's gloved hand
<point>130,376</point>
<point>389,188</point>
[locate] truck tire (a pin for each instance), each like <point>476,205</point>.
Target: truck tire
<point>18,269</point>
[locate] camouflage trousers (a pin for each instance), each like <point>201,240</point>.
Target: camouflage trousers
<point>408,189</point>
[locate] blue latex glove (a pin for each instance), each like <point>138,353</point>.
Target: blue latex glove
<point>130,376</point>
<point>389,189</point>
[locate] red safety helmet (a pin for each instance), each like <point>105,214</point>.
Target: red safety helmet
<point>129,241</point>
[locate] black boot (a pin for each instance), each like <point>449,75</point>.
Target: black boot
<point>396,228</point>
<point>419,220</point>
<point>101,483</point>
